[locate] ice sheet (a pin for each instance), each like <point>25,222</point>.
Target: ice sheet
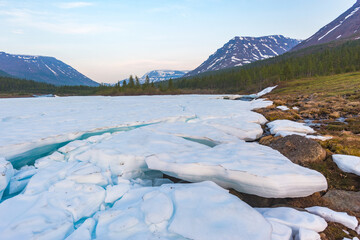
<point>247,167</point>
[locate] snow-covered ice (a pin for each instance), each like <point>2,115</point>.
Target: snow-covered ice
<point>96,169</point>
<point>201,211</point>
<point>50,214</point>
<point>246,167</point>
<point>306,234</point>
<point>289,126</point>
<point>124,154</point>
<point>6,172</point>
<point>280,231</point>
<point>332,216</point>
<point>347,163</point>
<point>294,219</point>
<point>31,123</point>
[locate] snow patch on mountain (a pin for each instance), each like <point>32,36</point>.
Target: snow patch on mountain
<point>244,50</point>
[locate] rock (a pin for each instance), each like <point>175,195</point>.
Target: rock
<point>299,149</point>
<point>343,200</point>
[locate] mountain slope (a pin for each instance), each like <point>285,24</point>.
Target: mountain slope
<point>42,69</point>
<point>320,60</point>
<point>346,26</point>
<point>162,75</point>
<point>4,74</point>
<point>244,50</point>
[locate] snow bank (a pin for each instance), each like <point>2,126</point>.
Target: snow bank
<point>288,126</point>
<point>246,167</point>
<point>283,108</point>
<point>251,96</point>
<point>332,216</point>
<point>265,91</point>
<point>347,163</point>
<point>201,211</point>
<point>286,133</point>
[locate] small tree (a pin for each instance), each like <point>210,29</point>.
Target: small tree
<point>137,82</point>
<point>124,85</point>
<point>147,81</point>
<point>131,82</point>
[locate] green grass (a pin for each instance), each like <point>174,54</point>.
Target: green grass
<point>335,85</point>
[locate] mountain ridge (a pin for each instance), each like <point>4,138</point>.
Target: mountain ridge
<point>240,51</point>
<point>344,27</point>
<point>43,69</point>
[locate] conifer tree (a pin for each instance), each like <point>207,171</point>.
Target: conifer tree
<point>137,82</point>
<point>131,82</point>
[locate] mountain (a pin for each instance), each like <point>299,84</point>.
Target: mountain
<point>346,26</point>
<point>4,74</point>
<point>244,50</point>
<point>161,75</point>
<point>42,69</point>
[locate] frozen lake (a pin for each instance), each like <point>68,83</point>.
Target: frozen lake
<point>92,168</point>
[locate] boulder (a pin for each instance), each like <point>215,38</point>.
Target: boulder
<point>343,200</point>
<point>299,149</point>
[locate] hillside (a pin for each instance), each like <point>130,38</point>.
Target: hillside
<point>319,60</point>
<point>346,26</point>
<point>43,69</point>
<point>240,51</point>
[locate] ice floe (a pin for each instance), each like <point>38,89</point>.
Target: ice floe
<point>201,211</point>
<point>332,216</point>
<point>50,214</point>
<point>124,153</point>
<point>347,163</point>
<point>246,167</point>
<point>294,219</point>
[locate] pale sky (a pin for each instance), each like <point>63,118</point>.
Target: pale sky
<point>109,40</point>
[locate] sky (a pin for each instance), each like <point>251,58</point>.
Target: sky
<point>108,40</point>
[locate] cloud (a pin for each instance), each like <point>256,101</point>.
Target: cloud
<point>53,23</point>
<point>18,31</point>
<point>70,5</point>
<point>170,9</point>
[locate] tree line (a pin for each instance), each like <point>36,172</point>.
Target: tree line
<point>323,60</point>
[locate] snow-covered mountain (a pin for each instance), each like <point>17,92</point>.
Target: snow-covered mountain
<point>42,69</point>
<point>346,26</point>
<point>161,75</point>
<point>243,50</point>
